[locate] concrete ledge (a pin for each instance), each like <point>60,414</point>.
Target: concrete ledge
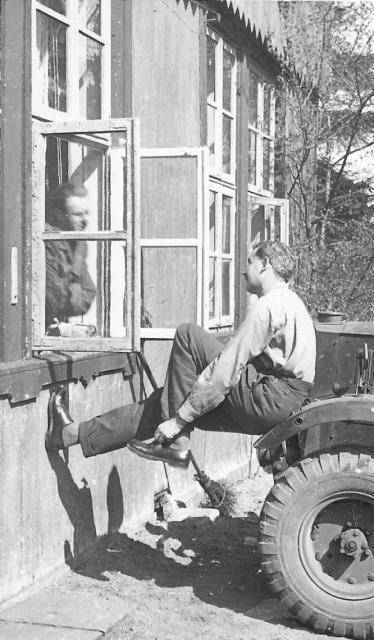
<point>64,615</point>
<point>27,631</point>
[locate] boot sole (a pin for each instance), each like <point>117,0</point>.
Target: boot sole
<point>183,464</point>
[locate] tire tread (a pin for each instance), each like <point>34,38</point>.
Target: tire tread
<point>281,495</point>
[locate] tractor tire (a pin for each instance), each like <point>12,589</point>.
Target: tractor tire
<point>317,542</point>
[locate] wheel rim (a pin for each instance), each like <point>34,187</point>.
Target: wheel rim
<point>336,545</point>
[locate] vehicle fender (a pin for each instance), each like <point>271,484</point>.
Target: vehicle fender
<point>345,409</point>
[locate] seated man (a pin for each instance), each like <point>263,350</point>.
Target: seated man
<point>248,386</point>
<point>70,290</point>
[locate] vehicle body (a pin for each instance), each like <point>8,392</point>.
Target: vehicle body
<point>317,523</point>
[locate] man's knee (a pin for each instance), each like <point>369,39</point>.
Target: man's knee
<point>187,329</point>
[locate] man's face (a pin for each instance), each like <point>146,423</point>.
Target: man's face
<point>252,273</point>
<point>77,210</point>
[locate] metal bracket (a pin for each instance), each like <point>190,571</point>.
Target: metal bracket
<point>364,370</point>
<point>216,14</point>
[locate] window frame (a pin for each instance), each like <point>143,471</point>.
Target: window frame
<point>219,320</point>
<point>261,134</point>
<point>222,183</point>
<point>269,204</point>
<point>202,179</point>
<point>71,20</point>
<point>131,237</point>
<point>220,111</point>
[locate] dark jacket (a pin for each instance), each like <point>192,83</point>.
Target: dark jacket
<point>69,286</point>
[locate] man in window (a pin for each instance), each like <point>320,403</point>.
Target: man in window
<point>254,382</point>
<point>70,290</point>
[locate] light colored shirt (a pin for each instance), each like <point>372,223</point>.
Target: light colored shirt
<point>278,331</point>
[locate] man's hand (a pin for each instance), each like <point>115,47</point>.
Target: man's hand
<point>169,429</point>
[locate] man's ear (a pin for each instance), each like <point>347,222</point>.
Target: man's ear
<point>265,264</point>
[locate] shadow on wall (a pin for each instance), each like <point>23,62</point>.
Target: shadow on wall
<point>114,501</point>
<point>77,502</point>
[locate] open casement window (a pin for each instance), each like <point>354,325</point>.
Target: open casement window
<point>86,243</point>
<point>269,219</point>
<point>172,214</point>
<point>220,239</point>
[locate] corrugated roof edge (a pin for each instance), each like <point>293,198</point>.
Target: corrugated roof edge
<point>263,19</point>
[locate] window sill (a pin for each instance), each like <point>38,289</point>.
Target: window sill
<point>22,381</point>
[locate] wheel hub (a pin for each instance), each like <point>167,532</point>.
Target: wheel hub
<point>338,552</point>
<point>353,543</point>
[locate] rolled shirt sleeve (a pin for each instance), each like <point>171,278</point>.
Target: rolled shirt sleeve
<point>223,373</point>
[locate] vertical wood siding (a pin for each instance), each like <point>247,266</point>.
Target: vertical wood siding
<point>53,509</point>
<point>166,73</point>
<point>16,177</point>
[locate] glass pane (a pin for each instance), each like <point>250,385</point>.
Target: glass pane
<point>277,224</point>
<point>74,184</point>
<point>268,229</point>
<point>266,164</point>
<point>169,286</point>
<point>212,220</point>
<point>257,222</point>
<point>211,135</point>
<point>51,62</point>
<point>85,288</point>
<point>82,274</point>
<point>56,5</point>
<point>226,144</point>
<point>226,287</point>
<point>212,287</point>
<point>253,100</point>
<point>267,108</point>
<point>57,163</point>
<point>227,78</point>
<point>252,155</point>
<point>169,197</point>
<point>74,199</point>
<point>90,78</point>
<point>90,15</point>
<point>211,68</point>
<point>226,224</point>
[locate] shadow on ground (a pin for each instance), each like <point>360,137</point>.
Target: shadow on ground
<point>217,559</point>
<point>196,573</point>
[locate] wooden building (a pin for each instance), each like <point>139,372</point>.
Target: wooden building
<point>165,111</point>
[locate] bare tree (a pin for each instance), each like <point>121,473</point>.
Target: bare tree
<point>328,81</point>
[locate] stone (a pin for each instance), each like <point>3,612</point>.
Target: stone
<point>197,514</point>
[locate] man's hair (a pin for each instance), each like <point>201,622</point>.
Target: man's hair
<point>280,257</point>
<point>57,197</point>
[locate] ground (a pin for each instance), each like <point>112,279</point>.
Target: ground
<point>190,579</point>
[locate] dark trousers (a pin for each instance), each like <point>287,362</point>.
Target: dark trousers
<point>256,403</point>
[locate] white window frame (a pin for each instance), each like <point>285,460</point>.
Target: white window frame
<point>130,237</point>
<point>202,179</point>
<point>261,135</point>
<point>71,20</point>
<point>219,320</point>
<point>269,205</point>
<point>217,105</point>
<point>222,183</point>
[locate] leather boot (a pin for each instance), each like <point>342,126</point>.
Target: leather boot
<point>176,457</point>
<point>58,418</point>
